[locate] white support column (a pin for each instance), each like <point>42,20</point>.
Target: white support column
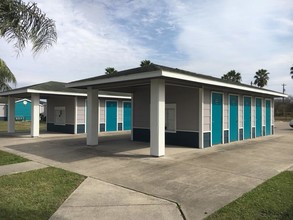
<point>11,118</point>
<point>75,115</point>
<point>35,115</point>
<point>200,117</point>
<point>157,117</point>
<point>132,108</point>
<point>92,120</point>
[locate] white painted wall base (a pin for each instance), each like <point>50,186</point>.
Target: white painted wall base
<point>11,112</point>
<point>157,117</point>
<point>201,116</point>
<point>92,119</point>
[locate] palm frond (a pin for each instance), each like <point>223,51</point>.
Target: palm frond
<point>6,77</point>
<point>22,22</point>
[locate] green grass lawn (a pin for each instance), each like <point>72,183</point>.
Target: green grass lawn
<point>21,126</point>
<point>271,200</point>
<point>36,194</point>
<point>7,158</point>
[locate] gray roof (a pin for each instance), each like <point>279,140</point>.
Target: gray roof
<point>57,88</point>
<point>156,67</point>
<point>51,86</point>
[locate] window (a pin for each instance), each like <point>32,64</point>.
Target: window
<point>170,118</point>
<point>60,115</point>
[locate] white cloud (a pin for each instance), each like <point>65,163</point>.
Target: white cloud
<point>87,44</point>
<point>218,36</point>
<point>205,36</point>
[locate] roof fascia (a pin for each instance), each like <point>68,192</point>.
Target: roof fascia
<point>13,92</point>
<point>216,83</point>
<point>56,92</point>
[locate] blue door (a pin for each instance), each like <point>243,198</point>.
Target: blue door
<point>111,116</point>
<point>247,117</point>
<point>258,115</point>
<point>217,118</point>
<point>126,115</point>
<point>268,117</point>
<point>233,118</point>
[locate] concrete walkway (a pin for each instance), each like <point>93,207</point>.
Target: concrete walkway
<point>200,181</point>
<point>20,167</point>
<point>95,199</point>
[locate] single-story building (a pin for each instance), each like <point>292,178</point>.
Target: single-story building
<point>3,109</point>
<point>178,107</point>
<point>67,108</point>
<point>22,110</point>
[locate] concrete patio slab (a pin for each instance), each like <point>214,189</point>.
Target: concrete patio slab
<point>95,199</point>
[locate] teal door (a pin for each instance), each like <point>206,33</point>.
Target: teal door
<point>111,116</point>
<point>233,118</point>
<point>268,117</point>
<point>126,115</point>
<point>258,115</point>
<point>217,118</point>
<point>247,117</point>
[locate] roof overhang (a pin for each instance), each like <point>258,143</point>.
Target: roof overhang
<point>173,75</point>
<point>26,91</point>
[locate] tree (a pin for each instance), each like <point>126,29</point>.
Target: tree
<point>110,70</point>
<point>6,77</point>
<point>291,71</point>
<point>144,63</point>
<point>261,78</point>
<point>24,22</point>
<point>232,76</point>
<point>21,23</point>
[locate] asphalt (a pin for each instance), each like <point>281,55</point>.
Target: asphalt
<point>186,183</point>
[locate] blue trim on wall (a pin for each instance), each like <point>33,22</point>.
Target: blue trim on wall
<point>141,134</point>
<point>3,118</point>
<point>119,126</point>
<point>81,128</point>
<point>207,139</point>
<point>68,129</point>
<point>102,127</point>
<point>226,135</point>
<point>241,134</point>
<point>180,138</point>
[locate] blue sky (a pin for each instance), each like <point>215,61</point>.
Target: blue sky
<point>204,36</point>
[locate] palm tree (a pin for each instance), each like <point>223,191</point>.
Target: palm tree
<point>232,76</point>
<point>145,63</point>
<point>261,78</point>
<point>6,77</point>
<point>110,71</point>
<point>21,23</point>
<point>291,71</point>
<point>24,22</point>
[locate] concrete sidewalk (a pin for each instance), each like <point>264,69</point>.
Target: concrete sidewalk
<point>95,199</point>
<point>20,167</point>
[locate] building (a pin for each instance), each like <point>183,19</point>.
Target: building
<point>177,107</point>
<point>66,110</point>
<point>3,109</point>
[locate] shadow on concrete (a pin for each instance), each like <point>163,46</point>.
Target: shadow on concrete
<point>68,149</point>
